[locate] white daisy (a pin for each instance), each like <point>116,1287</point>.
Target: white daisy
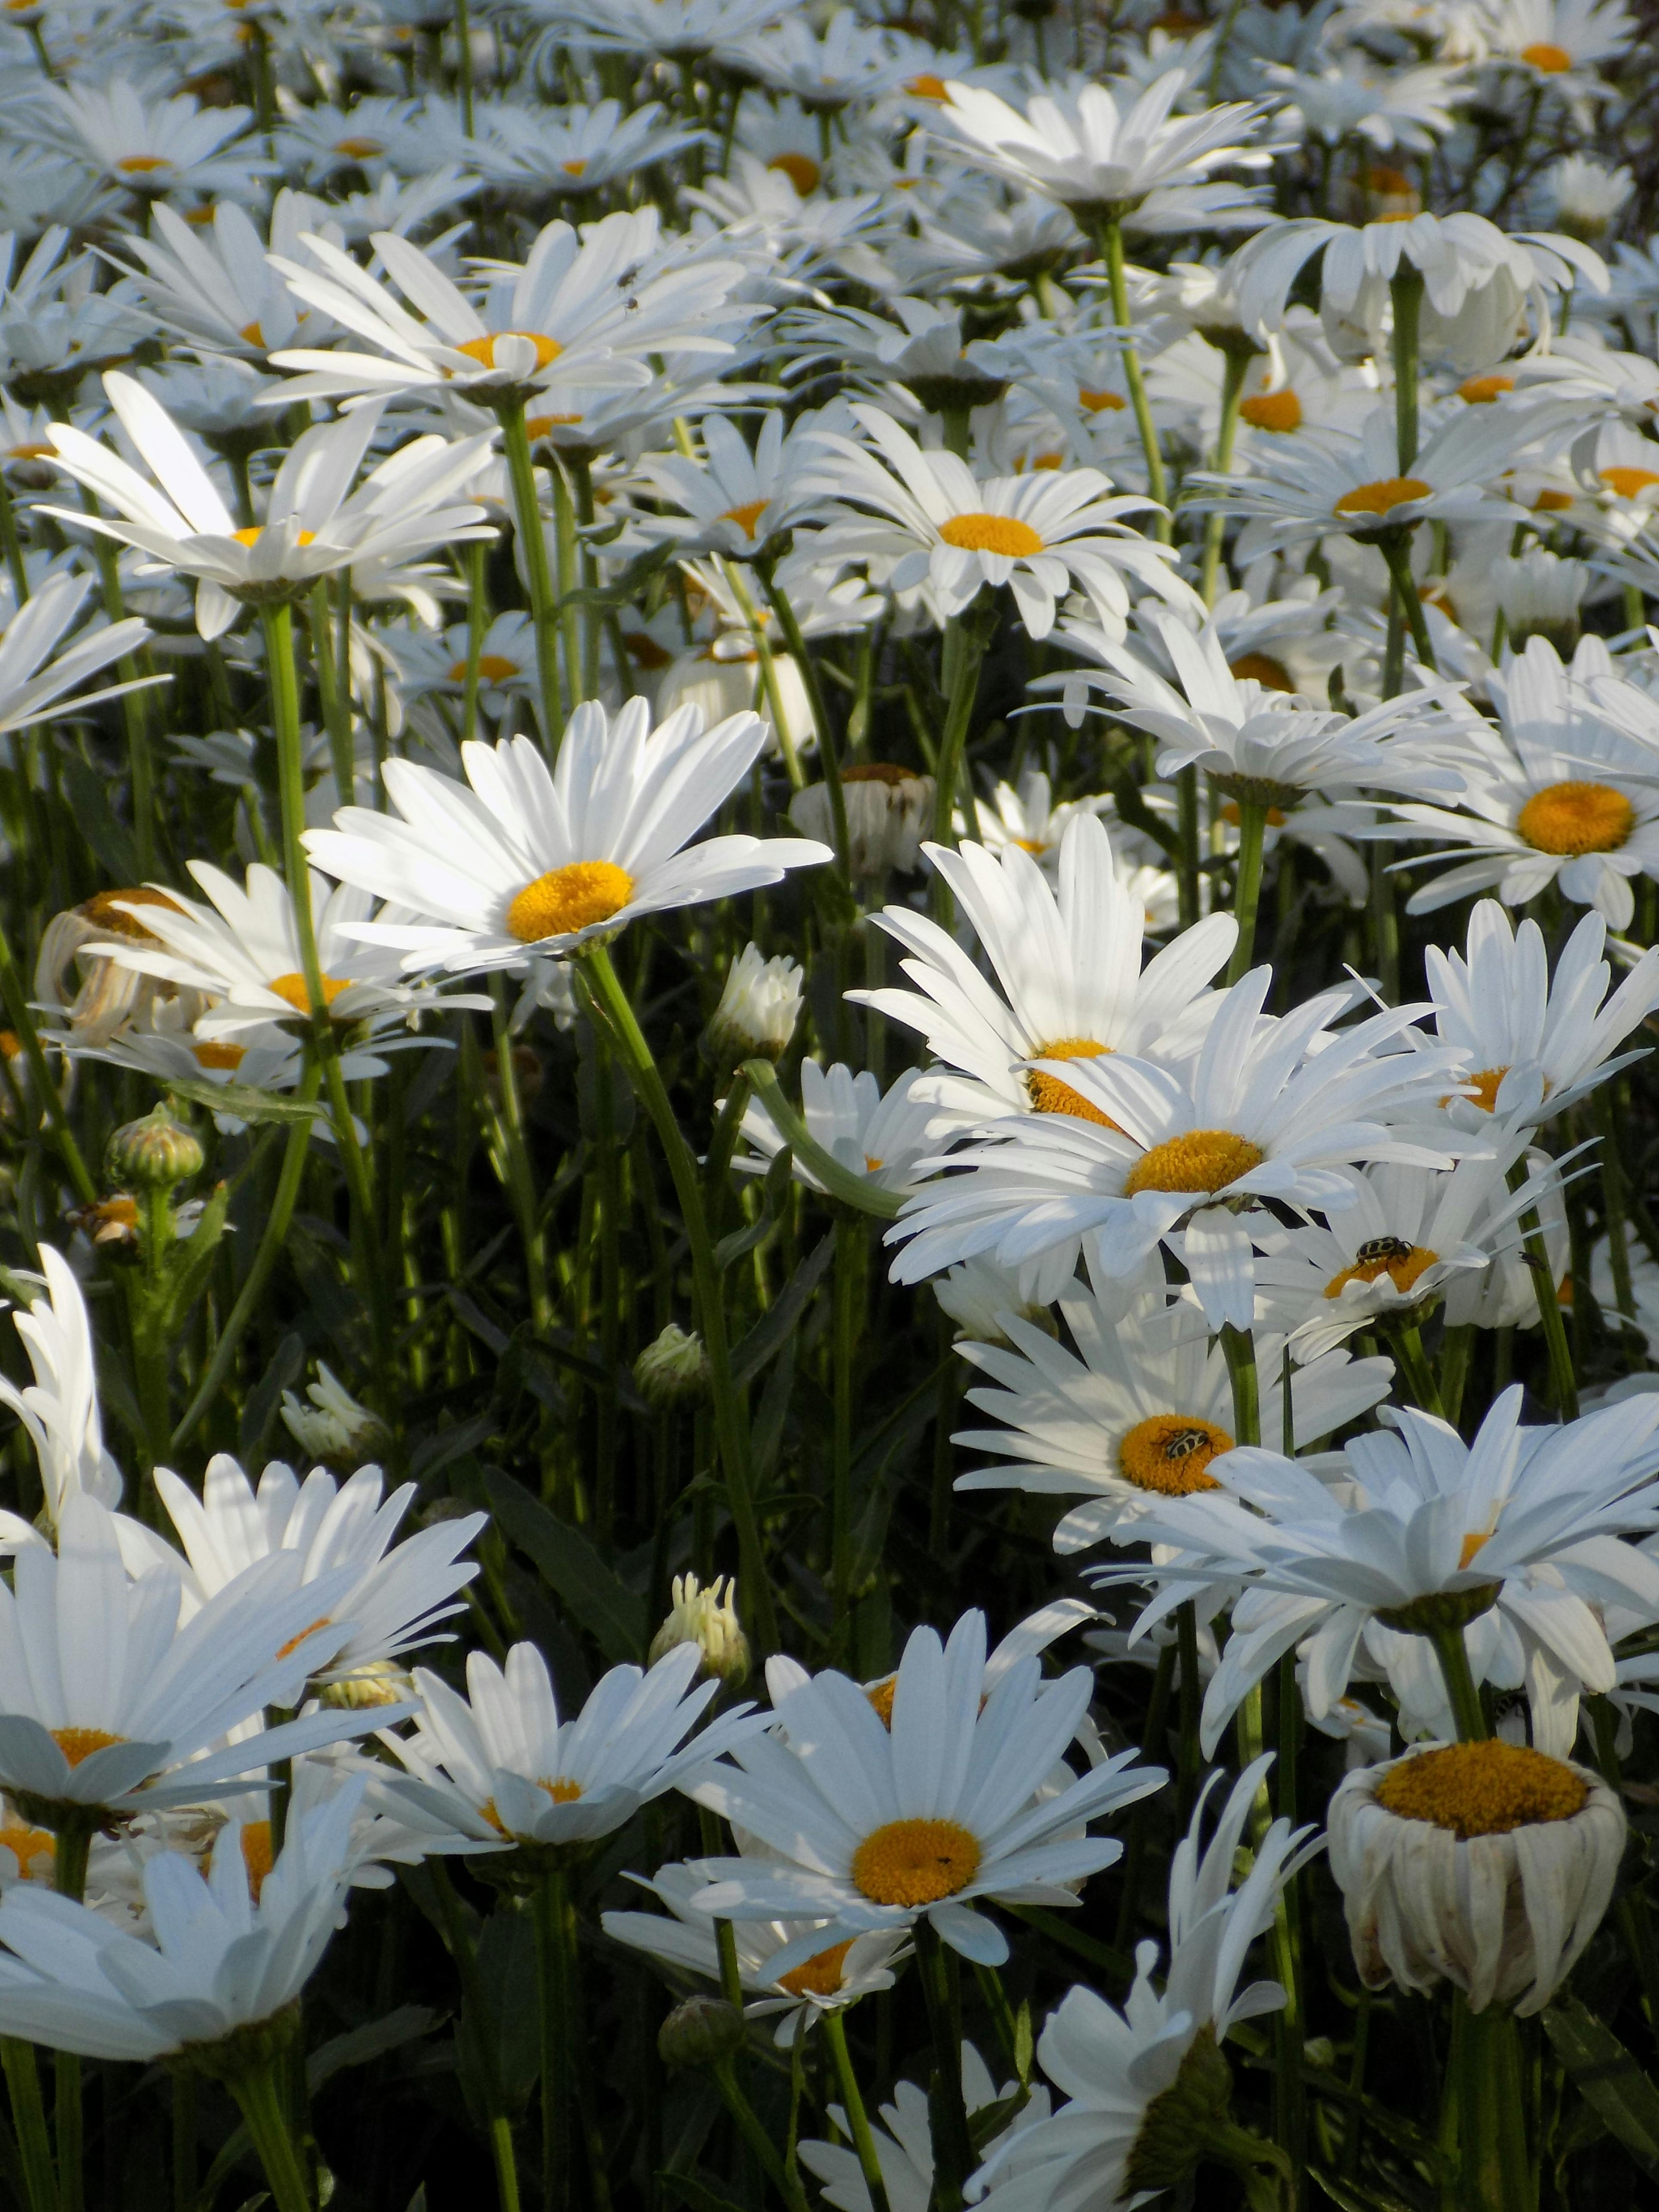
<point>212,284</point>
<point>36,689</point>
<point>885,1138</point>
<point>153,147</point>
<point>904,2142</point>
<point>1028,815</point>
<point>59,1408</point>
<point>530,861</point>
<point>736,499</point>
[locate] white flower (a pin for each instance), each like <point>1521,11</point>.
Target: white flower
<point>1026,814</point>
<point>529,862</point>
<point>1560,39</point>
<point>1141,1411</point>
<point>214,287</point>
<point>1588,196</point>
<point>707,1616</point>
<point>904,2144</point>
<point>34,688</point>
<point>505,1765</point>
<point>1113,2068</point>
<point>579,150</point>
<point>158,146</point>
<point>1487,1865</point>
<point>760,1004</point>
<point>883,1138</point>
<point>979,1297</point>
<point>876,1826</point>
<point>681,30</point>
<point>59,1408</point>
<point>735,498</point>
<point>333,1426</point>
<point>220,1962</point>
<point>888,810</point>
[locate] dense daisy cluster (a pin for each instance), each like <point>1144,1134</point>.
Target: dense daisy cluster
<point>834,835</point>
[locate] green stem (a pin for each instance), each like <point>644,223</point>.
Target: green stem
<point>1191,1754</point>
<point>1406,289</point>
<point>336,697</point>
<point>1186,784</point>
<point>953,2151</point>
<point>1406,1341</point>
<point>464,61</point>
<point>1238,1349</point>
<point>556,1969</point>
<point>564,548</point>
<point>1612,1198</point>
<point>28,2113</point>
<point>527,515</point>
<point>1455,1346</point>
<point>849,1254</point>
<point>1111,246</point>
<point>1468,1713</point>
<point>730,1414</point>
<point>858,2121</point>
<point>22,1022</point>
<point>1564,1383</point>
<point>1495,2173</point>
<point>1396,548</point>
<point>1247,893</point>
<point>476,2021</point>
<point>966,636</point>
<point>520,1172</point>
<point>759,2142</point>
<point>261,2103</point>
<point>478,622</point>
<point>1235,368</point>
<point>829,749</point>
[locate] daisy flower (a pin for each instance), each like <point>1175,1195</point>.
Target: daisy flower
<point>314,523</point>
<point>213,286</point>
<point>1105,2145</point>
<point>1027,814</point>
<point>1068,957</point>
<point>1561,40</point>
<point>678,30</point>
<point>1041,534</point>
<point>525,862</point>
<point>1270,1110</point>
<point>34,687</point>
<point>904,2142</point>
<point>154,147</point>
<point>1430,1534</point>
<point>59,1408</point>
<point>736,499</point>
<point>1553,792</point>
<point>885,1138</point>
<point>577,149</point>
<point>1528,1045</point>
<point>504,1764</point>
<point>874,1827</point>
<point>1140,1409</point>
<point>837,1976</point>
<point>1111,151</point>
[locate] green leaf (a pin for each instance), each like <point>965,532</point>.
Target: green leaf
<point>1607,2078</point>
<point>699,2192</point>
<point>359,2045</point>
<point>611,1614</point>
<point>782,1318</point>
<point>89,798</point>
<point>242,1100</point>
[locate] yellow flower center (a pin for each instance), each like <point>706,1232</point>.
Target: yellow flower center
<point>574,169</point>
<point>566,899</point>
<point>227,1057</point>
<point>1402,1263</point>
<point>482,351</point>
<point>1551,503</point>
<point>1049,1095</point>
<point>492,668</point>
<point>1203,1160</point>
<point>79,1743</point>
<point>1231,812</point>
<point>991,533</point>
<point>821,1977</point>
<point>802,171</point>
<point>1483,1789</point>
<point>141,165</point>
<point>1543,54</point>
<point>914,1862</point>
<point>561,1792</point>
<point>102,911</point>
<point>27,1845</point>
<point>1484,1085</point>
<point>359,149</point>
<point>537,426</point>
<point>1472,1543</point>
<point>1171,1453</point>
<point>746,515</point>
<point>1576,817</point>
<point>1483,391</point>
<point>292,988</point>
<point>1094,402</point>
<point>1272,675</point>
<point>1627,482</point>
<point>257,1855</point>
<point>1273,410</point>
<point>928,87</point>
<point>1383,496</point>
<point>253,532</point>
<point>251,334</point>
<point>881,1698</point>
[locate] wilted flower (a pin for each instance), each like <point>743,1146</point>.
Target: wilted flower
<point>673,1369</point>
<point>705,1615</point>
<point>334,1428</point>
<point>889,809</point>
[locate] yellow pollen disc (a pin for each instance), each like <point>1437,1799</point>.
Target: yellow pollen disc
<point>30,452</point>
<point>1382,179</point>
<point>561,1792</point>
<point>294,1642</point>
<point>574,169</point>
<point>140,165</point>
<point>821,1977</point>
<point>1203,1160</point>
<point>802,171</point>
<point>1383,496</point>
<point>1272,675</point>
<point>79,1743</point>
<point>1171,1453</point>
<point>102,911</point>
<point>1485,1084</point>
<point>27,1845</point>
<point>257,1856</point>
<point>254,532</point>
<point>1628,481</point>
<point>1032,845</point>
<point>1483,1789</point>
<point>991,533</point>
<point>914,1862</point>
<point>1400,1262</point>
<point>11,1044</point>
<point>1094,402</point>
<point>1576,817</point>
<point>1551,503</point>
<point>359,149</point>
<point>1273,410</point>
<point>537,426</point>
<point>1471,1544</point>
<point>643,650</point>
<point>482,351</point>
<point>569,898</point>
<point>928,87</point>
<point>227,1057</point>
<point>1049,1095</point>
<point>746,516</point>
<point>292,988</point>
<point>251,334</point>
<point>881,1698</point>
<point>885,771</point>
<point>1047,460</point>
<point>492,668</point>
<point>872,1166</point>
<point>1483,391</point>
<point>1231,810</point>
<point>112,1219</point>
<point>1554,60</point>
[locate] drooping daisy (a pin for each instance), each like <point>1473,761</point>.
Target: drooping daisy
<point>1067,957</point>
<point>1270,1110</point>
<point>1140,1411</point>
<point>877,1826</point>
<point>59,1408</point>
<point>528,862</point>
<point>1041,534</point>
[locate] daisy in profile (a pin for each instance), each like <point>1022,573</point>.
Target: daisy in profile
<point>1112,2141</point>
<point>523,862</point>
<point>1026,813</point>
<point>1554,792</point>
<point>1138,1412</point>
<point>212,285</point>
<point>1270,1110</point>
<point>872,1826</point>
<point>931,521</point>
<point>1529,1045</point>
<point>33,687</point>
<point>904,2141</point>
<point>1069,986</point>
<point>59,1408</point>
<point>886,1139</point>
<point>734,499</point>
<point>1560,44</point>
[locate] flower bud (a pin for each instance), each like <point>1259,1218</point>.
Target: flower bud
<point>673,1369</point>
<point>154,1153</point>
<point>334,1428</point>
<point>757,1011</point>
<point>377,1682</point>
<point>888,812</point>
<point>705,1617</point>
<point>700,2032</point>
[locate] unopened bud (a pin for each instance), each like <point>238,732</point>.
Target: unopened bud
<point>700,2032</point>
<point>154,1153</point>
<point>334,1428</point>
<point>757,1011</point>
<point>673,1369</point>
<point>709,1620</point>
